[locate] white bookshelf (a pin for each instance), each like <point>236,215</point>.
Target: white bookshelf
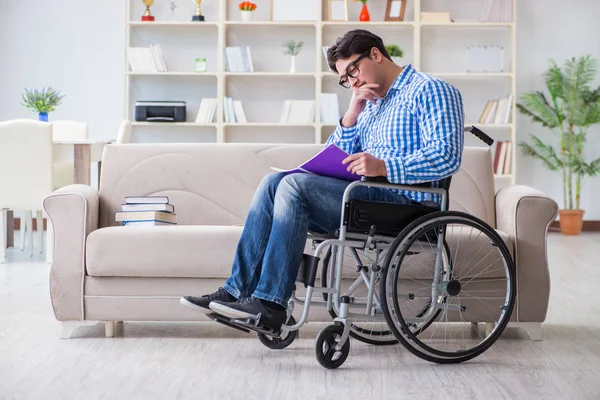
<point>435,48</point>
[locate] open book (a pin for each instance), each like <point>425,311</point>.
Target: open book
<point>328,162</point>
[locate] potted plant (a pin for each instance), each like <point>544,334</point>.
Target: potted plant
<point>364,13</point>
<point>395,52</point>
<point>246,10</point>
<point>42,102</point>
<point>292,49</point>
<point>572,108</point>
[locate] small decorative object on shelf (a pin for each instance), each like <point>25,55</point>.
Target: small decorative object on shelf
<point>395,52</point>
<point>42,102</point>
<point>395,9</point>
<point>200,65</point>
<point>148,17</point>
<point>364,13</point>
<point>246,10</point>
<point>173,7</point>
<point>293,49</point>
<point>198,17</point>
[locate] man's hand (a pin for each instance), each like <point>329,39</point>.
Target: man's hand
<point>365,164</point>
<point>358,102</point>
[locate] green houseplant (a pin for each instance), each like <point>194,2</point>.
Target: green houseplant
<point>42,101</point>
<point>570,108</point>
<point>395,52</point>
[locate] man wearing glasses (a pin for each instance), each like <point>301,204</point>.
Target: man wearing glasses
<point>401,124</point>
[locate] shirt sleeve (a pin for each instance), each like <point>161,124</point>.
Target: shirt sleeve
<point>347,138</point>
<point>440,117</point>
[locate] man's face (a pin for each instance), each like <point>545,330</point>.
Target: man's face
<point>358,70</point>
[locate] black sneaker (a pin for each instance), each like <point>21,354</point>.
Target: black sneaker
<point>201,303</point>
<point>273,313</point>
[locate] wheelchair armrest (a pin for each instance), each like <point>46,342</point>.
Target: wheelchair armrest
<point>378,179</point>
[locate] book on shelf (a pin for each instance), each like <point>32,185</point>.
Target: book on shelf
<point>207,111</point>
<point>497,111</point>
<point>146,211</point>
<point>325,48</point>
<point>146,59</point>
<point>330,108</point>
<point>327,162</point>
<point>238,59</point>
<point>435,17</point>
<point>503,157</point>
<point>497,11</point>
<point>234,111</point>
<point>298,112</point>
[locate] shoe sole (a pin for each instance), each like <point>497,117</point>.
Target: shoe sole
<point>193,306</point>
<point>228,311</point>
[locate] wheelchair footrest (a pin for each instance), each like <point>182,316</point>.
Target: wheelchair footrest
<point>258,324</point>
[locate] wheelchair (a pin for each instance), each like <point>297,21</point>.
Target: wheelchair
<point>439,282</point>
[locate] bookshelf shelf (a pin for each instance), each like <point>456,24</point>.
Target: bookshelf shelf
<point>171,124</point>
<point>438,48</point>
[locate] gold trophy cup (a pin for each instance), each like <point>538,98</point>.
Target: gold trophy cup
<point>198,17</point>
<point>147,16</point>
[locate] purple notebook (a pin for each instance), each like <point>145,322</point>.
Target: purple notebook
<point>328,162</point>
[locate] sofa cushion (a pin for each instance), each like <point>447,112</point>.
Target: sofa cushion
<point>192,251</point>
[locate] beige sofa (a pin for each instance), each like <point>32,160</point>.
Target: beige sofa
<point>104,272</point>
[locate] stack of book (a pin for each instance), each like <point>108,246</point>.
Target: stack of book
<point>146,211</point>
<point>298,112</point>
<point>207,111</point>
<point>503,158</point>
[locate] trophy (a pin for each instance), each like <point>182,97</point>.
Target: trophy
<point>147,16</point>
<point>198,16</point>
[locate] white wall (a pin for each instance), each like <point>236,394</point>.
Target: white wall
<point>78,47</point>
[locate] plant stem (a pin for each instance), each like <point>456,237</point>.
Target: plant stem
<point>579,175</point>
<point>570,168</point>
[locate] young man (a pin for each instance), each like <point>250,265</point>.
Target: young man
<point>400,124</point>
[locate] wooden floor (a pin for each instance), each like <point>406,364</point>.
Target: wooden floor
<point>205,361</point>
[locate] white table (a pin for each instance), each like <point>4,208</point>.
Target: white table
<point>81,153</point>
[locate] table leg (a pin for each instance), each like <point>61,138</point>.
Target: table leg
<point>10,229</point>
<point>82,160</point>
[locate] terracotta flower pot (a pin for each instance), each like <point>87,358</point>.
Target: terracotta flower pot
<point>571,221</point>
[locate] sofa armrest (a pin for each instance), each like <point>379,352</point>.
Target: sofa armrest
<point>73,213</point>
<point>525,213</point>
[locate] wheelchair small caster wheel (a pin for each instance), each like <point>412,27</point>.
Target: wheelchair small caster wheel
<point>327,355</point>
<point>278,343</point>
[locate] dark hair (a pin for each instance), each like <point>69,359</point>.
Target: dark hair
<point>357,41</point>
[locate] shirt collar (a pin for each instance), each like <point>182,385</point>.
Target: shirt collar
<point>402,78</point>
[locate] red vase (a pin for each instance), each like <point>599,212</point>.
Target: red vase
<point>364,14</point>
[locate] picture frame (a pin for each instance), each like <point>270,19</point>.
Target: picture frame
<point>293,10</point>
<point>337,10</point>
<point>395,9</point>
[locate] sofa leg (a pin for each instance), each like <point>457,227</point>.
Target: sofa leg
<point>109,328</point>
<point>533,329</point>
<point>68,327</point>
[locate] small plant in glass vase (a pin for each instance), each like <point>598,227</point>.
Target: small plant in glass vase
<point>395,52</point>
<point>572,107</point>
<point>42,101</point>
<point>246,10</point>
<point>292,48</point>
<point>173,8</point>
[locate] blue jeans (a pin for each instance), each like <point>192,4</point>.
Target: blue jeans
<point>285,207</point>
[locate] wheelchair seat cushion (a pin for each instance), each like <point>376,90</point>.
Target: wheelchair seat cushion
<point>389,219</point>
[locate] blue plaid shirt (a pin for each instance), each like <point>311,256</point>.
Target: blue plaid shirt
<point>417,129</point>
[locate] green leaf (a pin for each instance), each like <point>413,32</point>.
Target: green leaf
<point>543,152</point>
<point>536,106</point>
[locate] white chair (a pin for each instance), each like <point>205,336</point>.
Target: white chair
<point>63,155</point>
<point>25,174</point>
<point>124,134</point>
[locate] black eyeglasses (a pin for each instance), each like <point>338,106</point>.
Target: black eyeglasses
<point>352,71</point>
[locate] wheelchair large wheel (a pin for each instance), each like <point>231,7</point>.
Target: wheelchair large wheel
<point>477,292</point>
<point>378,333</point>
